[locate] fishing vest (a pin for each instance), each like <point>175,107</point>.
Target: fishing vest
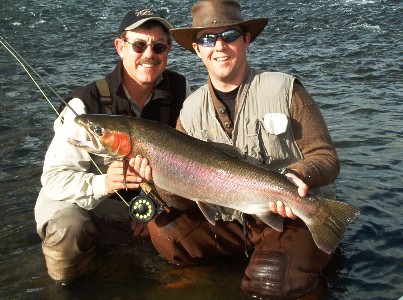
<point>166,111</point>
<point>165,104</point>
<point>262,127</point>
<point>108,96</point>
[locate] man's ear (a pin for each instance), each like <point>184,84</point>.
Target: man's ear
<point>196,48</point>
<point>119,44</point>
<point>246,38</point>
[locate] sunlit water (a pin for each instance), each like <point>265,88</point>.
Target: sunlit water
<point>348,54</point>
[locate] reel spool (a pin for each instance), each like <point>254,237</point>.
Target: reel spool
<point>142,208</point>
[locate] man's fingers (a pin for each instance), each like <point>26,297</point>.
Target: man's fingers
<point>148,174</point>
<point>281,209</point>
<point>137,163</point>
<point>284,211</point>
<point>143,165</point>
<point>139,229</point>
<point>302,187</point>
<point>290,213</point>
<point>273,207</point>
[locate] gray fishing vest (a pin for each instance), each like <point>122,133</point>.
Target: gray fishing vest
<point>262,128</point>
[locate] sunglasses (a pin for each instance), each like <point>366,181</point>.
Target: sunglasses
<point>209,39</point>
<point>140,47</point>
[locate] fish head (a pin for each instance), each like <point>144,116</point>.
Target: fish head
<point>110,136</point>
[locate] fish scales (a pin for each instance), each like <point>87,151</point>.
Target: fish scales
<point>202,172</point>
<point>180,168</point>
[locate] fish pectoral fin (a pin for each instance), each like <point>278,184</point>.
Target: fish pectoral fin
<point>208,210</point>
<point>273,220</point>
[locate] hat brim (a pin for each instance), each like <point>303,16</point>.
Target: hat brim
<point>163,22</point>
<point>186,36</point>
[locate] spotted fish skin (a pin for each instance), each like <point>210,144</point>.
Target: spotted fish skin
<point>202,172</point>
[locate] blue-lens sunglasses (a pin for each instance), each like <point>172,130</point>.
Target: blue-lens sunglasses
<point>209,39</point>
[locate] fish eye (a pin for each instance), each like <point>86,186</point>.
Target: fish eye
<point>97,130</point>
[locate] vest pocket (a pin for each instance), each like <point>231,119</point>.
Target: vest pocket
<point>274,147</point>
<point>265,147</point>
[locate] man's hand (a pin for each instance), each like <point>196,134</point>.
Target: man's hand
<point>139,229</point>
<point>142,168</point>
<point>280,208</point>
<point>129,175</point>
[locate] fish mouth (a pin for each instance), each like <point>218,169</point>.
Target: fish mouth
<point>94,145</point>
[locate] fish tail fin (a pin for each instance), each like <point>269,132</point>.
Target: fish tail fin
<point>327,233</point>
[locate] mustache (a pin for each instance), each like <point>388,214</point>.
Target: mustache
<point>149,61</point>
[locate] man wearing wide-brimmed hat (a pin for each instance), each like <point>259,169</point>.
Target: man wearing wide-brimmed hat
<point>275,123</point>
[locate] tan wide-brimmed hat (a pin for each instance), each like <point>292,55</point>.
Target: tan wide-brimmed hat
<point>216,13</point>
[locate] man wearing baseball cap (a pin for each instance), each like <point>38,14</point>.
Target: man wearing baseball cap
<point>274,123</point>
<point>77,210</point>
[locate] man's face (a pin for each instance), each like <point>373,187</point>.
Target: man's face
<point>147,66</point>
<point>225,61</point>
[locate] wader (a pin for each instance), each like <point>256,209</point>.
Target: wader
<point>70,233</point>
<point>282,264</point>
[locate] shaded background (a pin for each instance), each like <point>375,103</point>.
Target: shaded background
<point>348,54</point>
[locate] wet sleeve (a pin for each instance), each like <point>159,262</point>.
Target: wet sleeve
<point>320,164</point>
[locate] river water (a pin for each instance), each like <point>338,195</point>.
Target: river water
<point>348,54</point>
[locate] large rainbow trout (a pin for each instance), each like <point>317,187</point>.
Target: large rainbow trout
<point>202,172</point>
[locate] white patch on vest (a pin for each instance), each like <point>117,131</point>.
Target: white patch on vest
<point>275,123</point>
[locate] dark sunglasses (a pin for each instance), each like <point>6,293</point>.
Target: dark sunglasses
<point>209,39</point>
<point>140,47</point>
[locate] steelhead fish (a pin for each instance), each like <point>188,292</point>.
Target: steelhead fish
<point>202,172</point>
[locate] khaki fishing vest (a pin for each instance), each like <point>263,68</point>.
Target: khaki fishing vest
<point>262,128</point>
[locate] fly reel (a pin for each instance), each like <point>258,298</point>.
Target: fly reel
<point>142,208</point>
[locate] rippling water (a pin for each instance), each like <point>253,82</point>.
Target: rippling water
<point>348,54</point>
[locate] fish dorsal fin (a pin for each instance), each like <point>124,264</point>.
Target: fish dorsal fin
<point>208,210</point>
<point>273,220</point>
<point>229,149</point>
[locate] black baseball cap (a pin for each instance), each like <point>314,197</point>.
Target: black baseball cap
<point>135,18</point>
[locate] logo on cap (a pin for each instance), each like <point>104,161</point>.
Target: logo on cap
<point>144,12</point>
